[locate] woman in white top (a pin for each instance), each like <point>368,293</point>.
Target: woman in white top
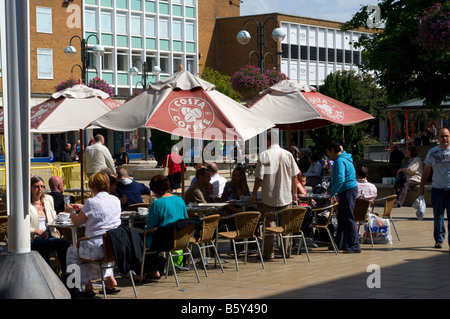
<point>412,175</point>
<point>45,239</point>
<point>99,214</point>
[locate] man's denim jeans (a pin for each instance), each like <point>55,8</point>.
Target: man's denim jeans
<point>440,199</point>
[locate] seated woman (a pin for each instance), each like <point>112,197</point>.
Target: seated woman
<point>166,209</point>
<point>412,175</point>
<point>314,173</point>
<point>99,214</point>
<point>45,239</point>
<point>235,188</point>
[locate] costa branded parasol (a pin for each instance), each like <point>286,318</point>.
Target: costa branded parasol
<point>187,106</point>
<point>71,109</point>
<point>300,107</point>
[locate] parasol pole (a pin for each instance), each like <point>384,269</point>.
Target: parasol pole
<point>406,119</point>
<point>289,138</point>
<point>81,164</point>
<point>390,129</point>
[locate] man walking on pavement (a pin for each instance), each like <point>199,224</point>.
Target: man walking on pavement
<point>438,161</point>
<point>97,156</point>
<point>276,173</point>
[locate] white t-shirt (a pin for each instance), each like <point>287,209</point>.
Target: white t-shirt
<point>439,159</point>
<point>218,183</point>
<point>103,213</point>
<point>276,167</point>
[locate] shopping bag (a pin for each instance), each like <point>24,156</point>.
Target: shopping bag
<point>420,205</point>
<point>380,229</point>
<point>166,168</point>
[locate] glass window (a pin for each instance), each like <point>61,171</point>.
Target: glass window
<point>176,64</point>
<point>106,22</point>
<point>285,50</point>
<point>45,63</point>
<point>190,31</point>
<point>312,53</point>
<point>189,2</point>
<point>90,20</point>
<point>43,20</point>
<point>107,61</point>
<point>177,30</point>
<point>121,24</point>
<point>150,27</point>
<point>136,25</point>
<point>163,28</point>
<point>122,62</point>
<point>164,64</point>
<point>190,65</point>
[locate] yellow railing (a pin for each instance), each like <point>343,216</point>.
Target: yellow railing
<point>69,172</point>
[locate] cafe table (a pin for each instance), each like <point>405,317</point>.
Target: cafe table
<point>309,197</point>
<point>67,224</point>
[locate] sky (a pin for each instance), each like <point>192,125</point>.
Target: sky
<point>333,10</point>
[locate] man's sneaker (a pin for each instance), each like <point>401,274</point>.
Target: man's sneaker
<point>438,245</point>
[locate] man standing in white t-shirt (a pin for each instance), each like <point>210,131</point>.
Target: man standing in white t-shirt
<point>438,161</point>
<point>97,156</point>
<point>276,173</point>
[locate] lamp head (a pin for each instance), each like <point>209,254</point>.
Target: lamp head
<point>278,34</point>
<point>243,37</point>
<point>70,51</point>
<point>133,71</point>
<point>98,50</point>
<point>156,70</point>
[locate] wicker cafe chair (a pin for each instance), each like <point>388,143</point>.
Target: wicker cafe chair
<point>246,223</point>
<point>389,202</point>
<point>361,215</point>
<point>4,229</point>
<point>290,221</point>
<point>317,225</point>
<point>180,242</point>
<point>108,251</point>
<point>206,240</point>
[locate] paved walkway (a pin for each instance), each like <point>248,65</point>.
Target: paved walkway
<point>407,269</point>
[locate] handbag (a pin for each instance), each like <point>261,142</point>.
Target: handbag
<point>166,168</point>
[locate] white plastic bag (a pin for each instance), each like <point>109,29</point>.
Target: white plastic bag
<point>420,205</point>
<point>380,229</point>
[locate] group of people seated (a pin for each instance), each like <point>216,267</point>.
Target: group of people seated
<point>112,194</point>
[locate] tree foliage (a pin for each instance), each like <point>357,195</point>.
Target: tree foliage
<point>222,83</point>
<point>359,91</point>
<point>402,64</point>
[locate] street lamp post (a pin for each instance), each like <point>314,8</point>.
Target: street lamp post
<point>134,71</point>
<point>97,50</point>
<point>70,52</point>
<point>243,37</point>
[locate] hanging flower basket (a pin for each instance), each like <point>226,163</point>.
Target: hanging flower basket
<point>99,84</point>
<point>434,27</point>
<point>95,83</point>
<point>66,84</point>
<point>249,80</point>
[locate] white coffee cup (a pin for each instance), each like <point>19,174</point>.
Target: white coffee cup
<point>64,216</point>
